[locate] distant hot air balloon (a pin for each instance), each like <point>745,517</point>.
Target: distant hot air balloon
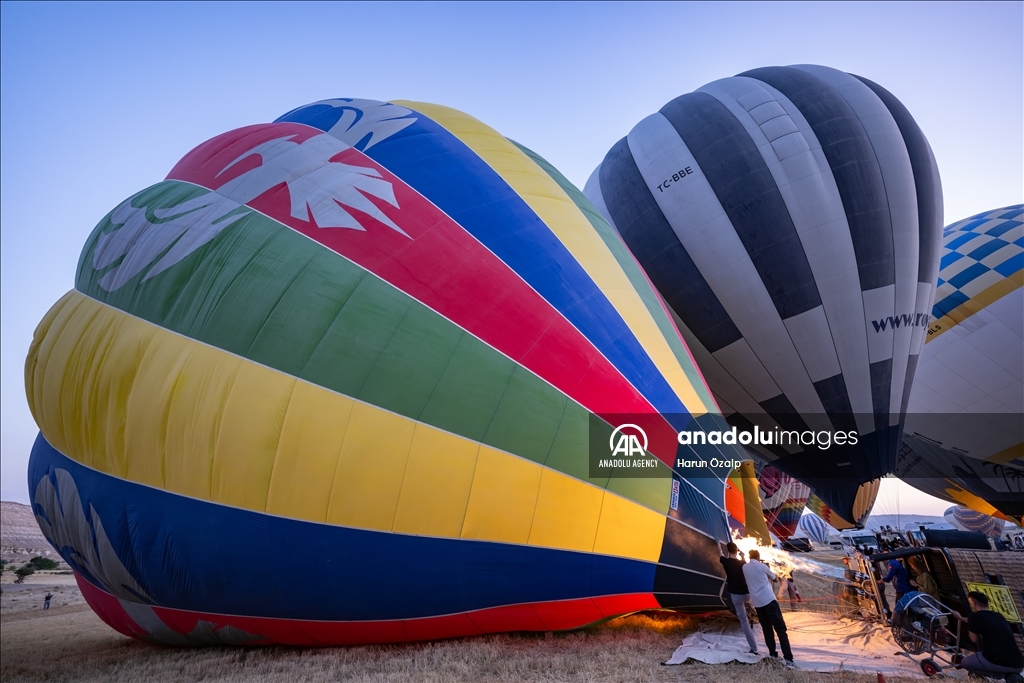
<point>964,439</point>
<point>377,339</point>
<point>966,519</point>
<point>783,499</point>
<point>790,217</point>
<point>815,528</point>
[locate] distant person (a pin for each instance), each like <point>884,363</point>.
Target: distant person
<point>899,577</point>
<point>925,581</point>
<point>999,653</point>
<point>759,580</point>
<point>790,590</point>
<point>46,600</point>
<point>737,586</point>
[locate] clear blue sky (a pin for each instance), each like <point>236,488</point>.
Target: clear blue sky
<point>98,101</point>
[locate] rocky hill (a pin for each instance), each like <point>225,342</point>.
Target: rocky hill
<point>19,534</point>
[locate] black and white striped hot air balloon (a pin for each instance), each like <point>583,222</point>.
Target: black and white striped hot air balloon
<point>791,219</point>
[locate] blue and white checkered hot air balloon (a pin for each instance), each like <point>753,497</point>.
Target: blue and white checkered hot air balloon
<point>964,437</point>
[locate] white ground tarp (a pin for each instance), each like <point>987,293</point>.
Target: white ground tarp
<point>820,643</point>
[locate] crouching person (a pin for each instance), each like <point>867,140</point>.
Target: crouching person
<point>999,655</point>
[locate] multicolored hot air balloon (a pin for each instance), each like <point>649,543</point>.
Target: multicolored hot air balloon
<point>782,500</point>
<point>379,337</point>
<point>966,519</point>
<point>964,439</point>
<point>866,495</point>
<point>791,218</point>
<point>816,529</point>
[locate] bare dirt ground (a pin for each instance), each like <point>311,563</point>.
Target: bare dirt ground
<point>68,643</point>
<point>28,596</point>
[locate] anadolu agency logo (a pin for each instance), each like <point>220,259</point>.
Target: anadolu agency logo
<point>624,442</point>
<point>627,447</point>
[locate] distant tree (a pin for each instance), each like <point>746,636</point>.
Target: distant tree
<point>23,571</point>
<point>41,563</point>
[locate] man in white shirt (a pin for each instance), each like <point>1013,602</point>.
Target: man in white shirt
<point>759,581</point>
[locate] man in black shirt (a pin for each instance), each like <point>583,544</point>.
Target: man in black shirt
<point>999,652</point>
<point>737,586</point>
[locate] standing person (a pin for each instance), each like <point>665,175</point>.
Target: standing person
<point>899,577</point>
<point>759,580</point>
<point>925,581</point>
<point>46,600</point>
<point>999,653</point>
<point>737,585</point>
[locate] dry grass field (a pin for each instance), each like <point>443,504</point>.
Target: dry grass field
<point>69,643</point>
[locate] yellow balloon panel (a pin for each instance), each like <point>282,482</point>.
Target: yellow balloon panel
<point>503,498</point>
<point>435,489</point>
<point>206,424</point>
<point>365,490</point>
<point>301,487</point>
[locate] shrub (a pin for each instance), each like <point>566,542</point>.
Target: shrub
<point>23,571</point>
<point>42,563</point>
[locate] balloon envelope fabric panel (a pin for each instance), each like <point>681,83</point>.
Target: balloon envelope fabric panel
<point>382,337</point>
<point>754,524</point>
<point>964,440</point>
<point>791,218</point>
<point>783,500</point>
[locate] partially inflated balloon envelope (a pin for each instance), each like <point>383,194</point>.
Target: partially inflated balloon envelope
<point>964,439</point>
<point>744,505</point>
<point>862,506</point>
<point>334,381</point>
<point>965,519</point>
<point>782,500</point>
<point>790,217</point>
